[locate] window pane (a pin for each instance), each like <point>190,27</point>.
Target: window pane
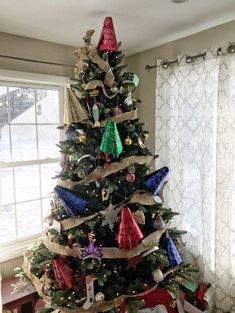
<point>27,183</point>
<point>47,182</point>
<point>22,106</point>
<point>28,218</point>
<point>47,106</point>
<point>46,207</point>
<point>48,137</point>
<point>6,186</point>
<point>7,225</point>
<point>23,142</point>
<point>5,152</point>
<point>3,105</point>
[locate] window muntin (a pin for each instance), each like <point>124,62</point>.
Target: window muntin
<point>29,115</point>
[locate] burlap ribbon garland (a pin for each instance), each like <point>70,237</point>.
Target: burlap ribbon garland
<point>132,115</point>
<point>104,66</point>
<point>102,306</point>
<point>115,167</point>
<point>26,266</point>
<point>137,197</point>
<point>108,253</point>
<point>91,52</point>
<point>93,84</point>
<point>97,175</point>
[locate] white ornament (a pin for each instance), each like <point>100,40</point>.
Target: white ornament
<point>158,275</point>
<point>99,296</point>
<point>90,297</point>
<point>157,199</point>
<point>56,226</point>
<point>128,100</point>
<point>155,248</point>
<point>110,216</point>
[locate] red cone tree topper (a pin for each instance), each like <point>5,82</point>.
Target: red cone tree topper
<point>107,39</point>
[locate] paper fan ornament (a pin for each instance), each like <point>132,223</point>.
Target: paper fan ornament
<point>63,273</point>
<point>107,39</point>
<point>73,110</point>
<point>111,142</point>
<point>129,234</point>
<point>72,204</point>
<point>173,254</point>
<point>155,180</point>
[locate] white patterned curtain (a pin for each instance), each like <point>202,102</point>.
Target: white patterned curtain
<point>195,138</point>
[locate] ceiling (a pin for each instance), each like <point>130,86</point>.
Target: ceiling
<point>140,25</point>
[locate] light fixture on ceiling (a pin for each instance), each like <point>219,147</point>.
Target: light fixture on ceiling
<point>179,1</point>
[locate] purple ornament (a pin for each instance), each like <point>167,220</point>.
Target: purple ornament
<point>91,251</point>
<point>155,180</point>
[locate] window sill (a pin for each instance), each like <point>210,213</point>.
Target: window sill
<point>16,248</point>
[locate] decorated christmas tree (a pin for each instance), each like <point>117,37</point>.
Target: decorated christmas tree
<point>109,245</point>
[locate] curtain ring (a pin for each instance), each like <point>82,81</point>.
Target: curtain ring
<point>231,49</point>
<point>189,59</point>
<point>219,52</point>
<point>165,64</point>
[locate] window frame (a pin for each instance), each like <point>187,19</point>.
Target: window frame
<point>15,248</point>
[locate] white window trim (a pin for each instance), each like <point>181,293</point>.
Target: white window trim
<point>16,248</point>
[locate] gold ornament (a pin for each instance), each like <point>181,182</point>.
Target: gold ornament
<point>128,141</point>
<point>82,138</point>
<point>94,93</point>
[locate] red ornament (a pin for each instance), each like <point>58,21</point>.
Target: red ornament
<point>63,273</point>
<point>133,262</point>
<point>130,177</point>
<point>117,110</point>
<point>107,39</point>
<point>129,234</point>
<point>81,282</point>
<point>107,158</point>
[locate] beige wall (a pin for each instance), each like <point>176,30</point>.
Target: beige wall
<point>7,268</point>
<point>214,37</point>
<point>35,49</point>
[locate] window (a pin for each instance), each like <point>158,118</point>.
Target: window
<point>29,116</point>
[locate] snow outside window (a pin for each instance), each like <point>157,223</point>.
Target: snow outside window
<point>29,116</point>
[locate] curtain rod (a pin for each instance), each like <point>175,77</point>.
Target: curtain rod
<point>165,64</point>
<point>189,59</point>
<point>35,61</point>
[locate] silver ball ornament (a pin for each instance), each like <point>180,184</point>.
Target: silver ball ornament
<point>158,275</point>
<point>99,296</point>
